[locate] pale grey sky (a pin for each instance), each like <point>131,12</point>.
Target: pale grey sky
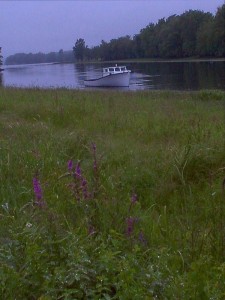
<point>33,26</point>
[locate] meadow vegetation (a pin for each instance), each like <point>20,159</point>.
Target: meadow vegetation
<point>112,195</point>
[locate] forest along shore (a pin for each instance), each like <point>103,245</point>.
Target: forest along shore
<point>200,34</point>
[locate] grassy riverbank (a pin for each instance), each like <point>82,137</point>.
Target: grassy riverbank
<point>112,195</point>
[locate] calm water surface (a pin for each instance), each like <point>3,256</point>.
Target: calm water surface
<point>152,75</point>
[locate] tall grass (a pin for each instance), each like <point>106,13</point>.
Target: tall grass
<point>111,195</point>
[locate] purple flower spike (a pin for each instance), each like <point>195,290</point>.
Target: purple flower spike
<point>38,193</point>
<point>130,226</point>
<point>37,189</point>
<point>78,171</point>
<point>95,167</point>
<point>133,199</point>
<point>84,188</point>
<point>70,165</point>
<point>84,182</point>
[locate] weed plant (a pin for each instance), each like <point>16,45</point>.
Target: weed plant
<point>112,195</point>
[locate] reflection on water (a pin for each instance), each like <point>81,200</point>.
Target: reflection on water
<point>152,75</point>
<point>183,75</point>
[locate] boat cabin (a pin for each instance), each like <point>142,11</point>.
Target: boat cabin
<point>114,70</point>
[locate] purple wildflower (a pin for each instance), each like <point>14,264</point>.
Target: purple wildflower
<point>84,188</point>
<point>38,192</point>
<point>130,225</point>
<point>70,165</point>
<point>80,185</point>
<point>84,182</point>
<point>37,189</point>
<point>78,171</point>
<point>133,199</point>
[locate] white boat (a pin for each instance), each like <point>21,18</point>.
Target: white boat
<point>111,77</point>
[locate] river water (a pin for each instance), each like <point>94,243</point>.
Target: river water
<point>190,75</point>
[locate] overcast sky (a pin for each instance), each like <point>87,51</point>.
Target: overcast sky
<point>44,26</point>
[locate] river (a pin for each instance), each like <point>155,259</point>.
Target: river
<point>174,75</point>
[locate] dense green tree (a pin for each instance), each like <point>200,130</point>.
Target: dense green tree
<point>175,37</point>
<point>121,48</point>
<point>190,23</point>
<point>79,49</point>
<point>206,42</point>
<point>194,33</point>
<point>219,31</point>
<point>211,35</point>
<point>170,41</point>
<point>104,50</point>
<point>146,42</point>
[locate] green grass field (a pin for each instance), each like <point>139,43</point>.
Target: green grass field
<point>112,195</point>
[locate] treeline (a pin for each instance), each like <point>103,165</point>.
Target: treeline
<point>1,57</point>
<point>192,34</point>
<point>36,58</point>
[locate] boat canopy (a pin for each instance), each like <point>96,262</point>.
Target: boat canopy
<point>114,70</point>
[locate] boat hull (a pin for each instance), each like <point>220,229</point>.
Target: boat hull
<point>111,80</point>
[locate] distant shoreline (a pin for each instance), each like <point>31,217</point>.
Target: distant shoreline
<point>154,60</point>
<point>144,60</point>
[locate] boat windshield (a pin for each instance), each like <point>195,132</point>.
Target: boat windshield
<point>114,69</point>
